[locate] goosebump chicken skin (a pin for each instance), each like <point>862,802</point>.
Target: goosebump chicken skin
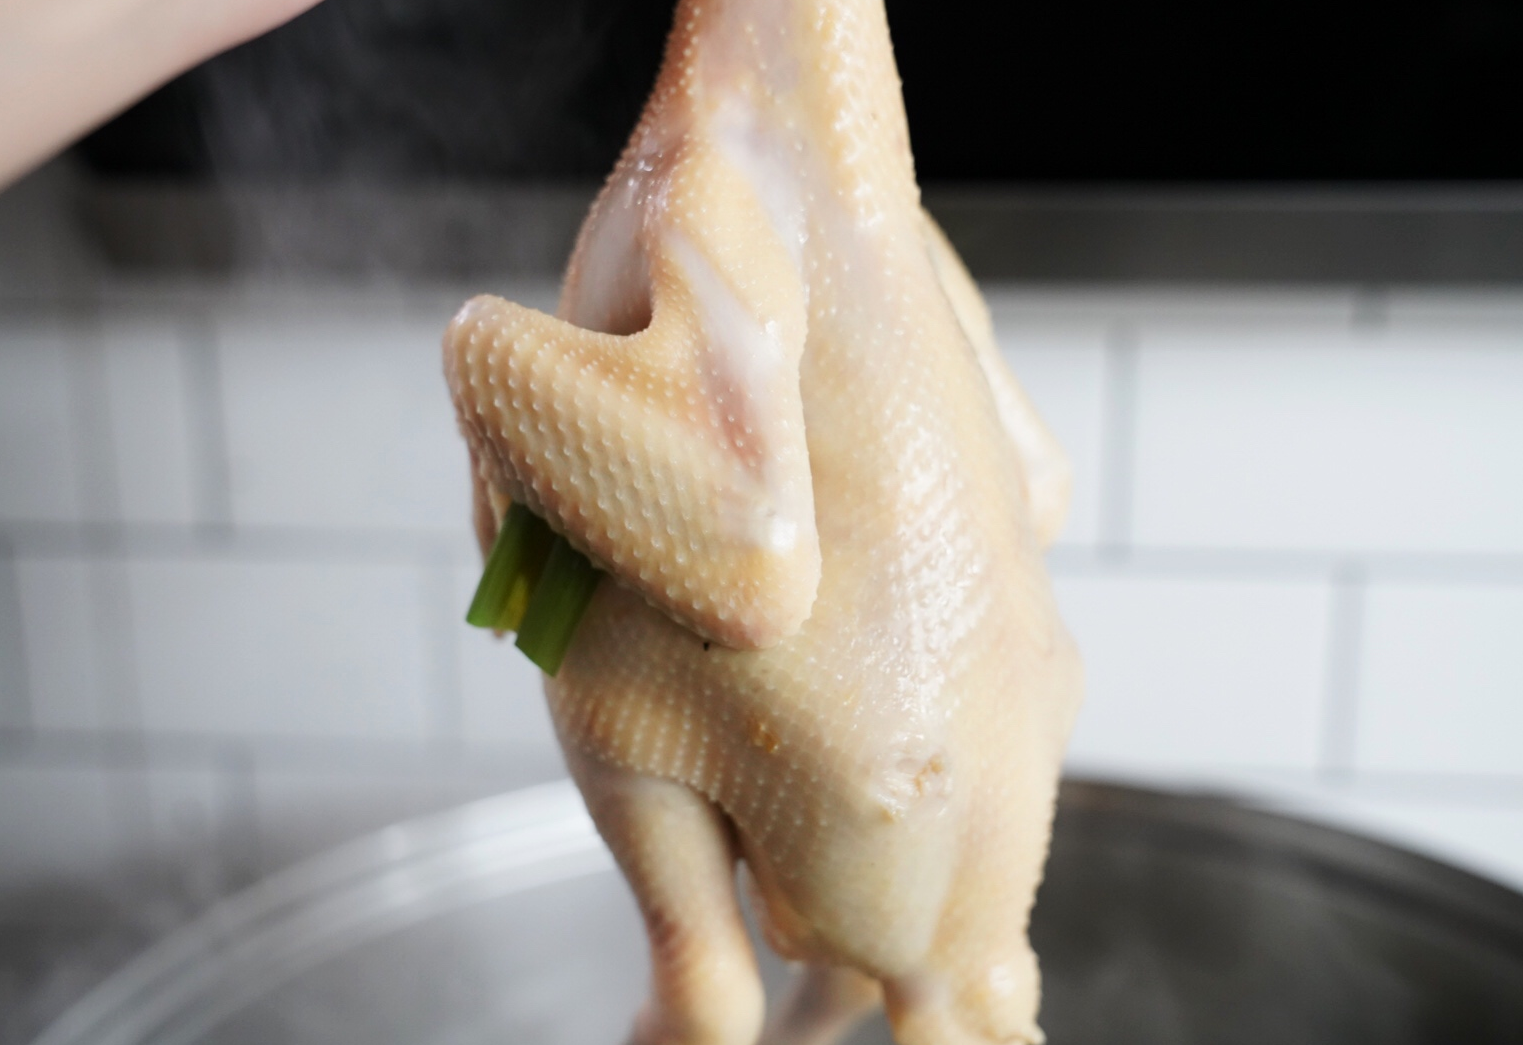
<point>772,409</point>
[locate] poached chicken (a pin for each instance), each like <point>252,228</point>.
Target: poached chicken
<point>771,407</point>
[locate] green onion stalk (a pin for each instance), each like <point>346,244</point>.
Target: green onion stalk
<point>535,584</point>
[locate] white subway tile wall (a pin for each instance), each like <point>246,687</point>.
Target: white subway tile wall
<point>335,420</point>
<point>1062,368</point>
<point>1292,436</point>
<point>1191,673</point>
<point>58,823</point>
<point>502,706</point>
<point>153,445</point>
<point>234,557</point>
<point>310,806</point>
<point>41,477</point>
<point>190,809</point>
<point>66,688</point>
<point>1441,680</point>
<point>303,649</point>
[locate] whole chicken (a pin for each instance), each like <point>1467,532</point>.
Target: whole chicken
<point>772,409</point>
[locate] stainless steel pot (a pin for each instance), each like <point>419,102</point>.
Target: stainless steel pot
<point>1165,918</point>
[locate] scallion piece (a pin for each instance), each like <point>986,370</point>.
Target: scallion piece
<point>556,607</point>
<point>536,584</point>
<point>512,569</point>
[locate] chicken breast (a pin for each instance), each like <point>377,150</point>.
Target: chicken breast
<point>773,410</point>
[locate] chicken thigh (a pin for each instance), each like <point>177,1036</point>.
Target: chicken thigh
<point>772,409</point>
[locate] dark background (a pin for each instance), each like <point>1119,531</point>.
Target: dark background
<point>1042,92</point>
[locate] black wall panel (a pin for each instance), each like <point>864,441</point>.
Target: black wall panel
<point>1082,91</point>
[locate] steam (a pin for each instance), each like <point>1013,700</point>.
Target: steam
<point>405,138</point>
<point>391,89</point>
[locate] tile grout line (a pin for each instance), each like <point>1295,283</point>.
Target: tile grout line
<point>1340,684</point>
<point>41,539</point>
<point>1480,791</point>
<point>16,710</point>
<point>44,539</point>
<point>1118,432</point>
<point>1442,568</point>
<point>211,475</point>
<point>111,749</point>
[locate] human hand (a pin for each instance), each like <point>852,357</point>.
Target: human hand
<point>68,65</point>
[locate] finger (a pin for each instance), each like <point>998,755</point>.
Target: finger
<point>69,65</point>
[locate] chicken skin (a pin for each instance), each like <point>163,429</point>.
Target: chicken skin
<point>772,409</point>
